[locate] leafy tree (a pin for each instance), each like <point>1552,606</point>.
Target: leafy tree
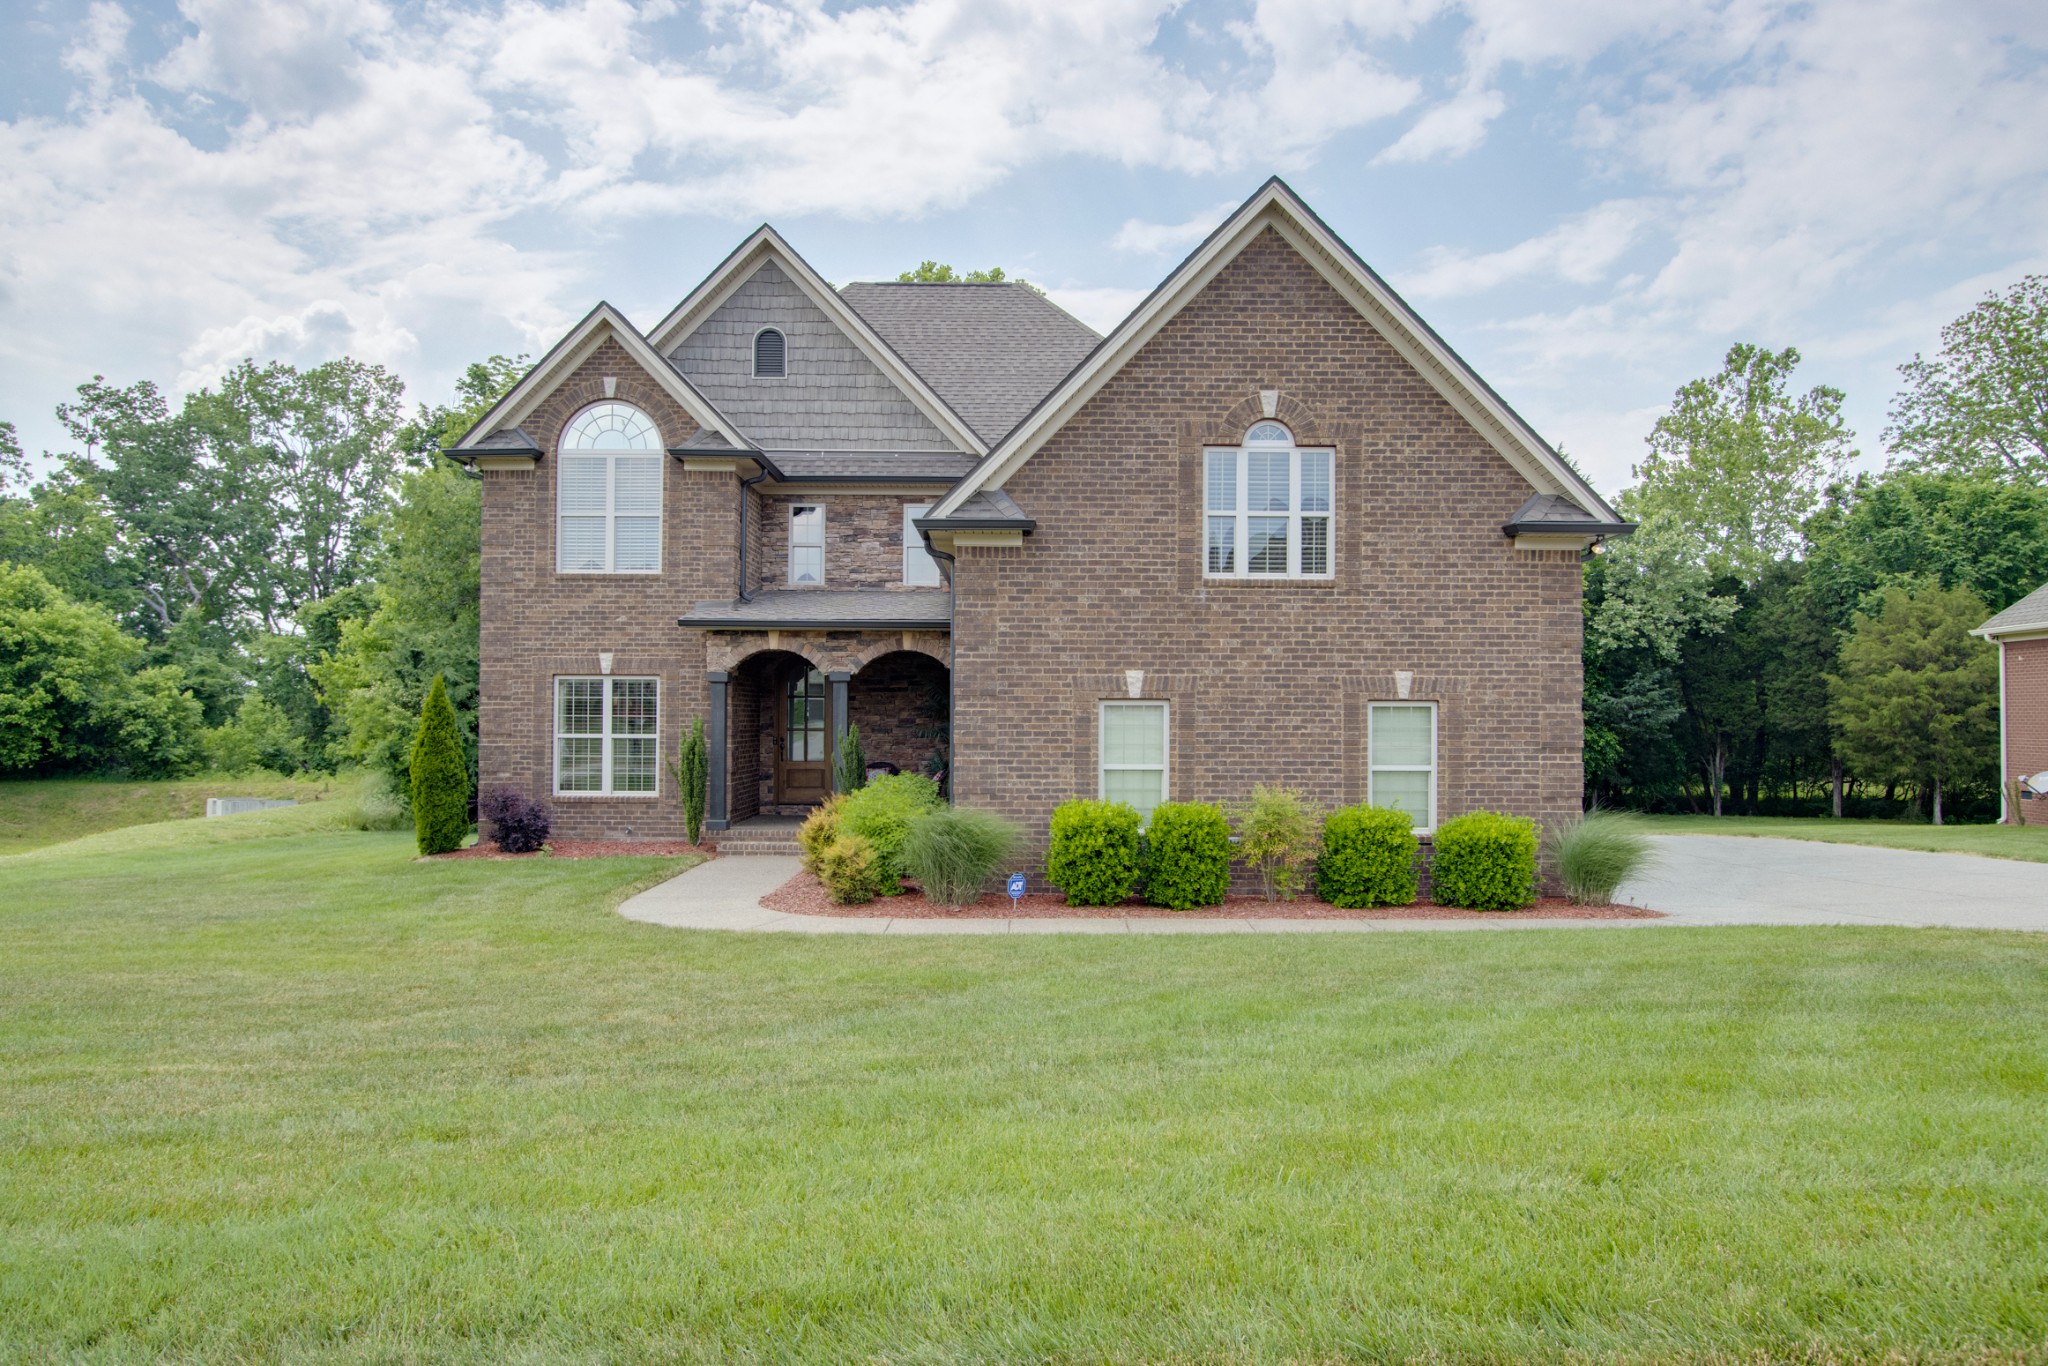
<point>1916,699</point>
<point>1740,462</point>
<point>440,776</point>
<point>436,427</point>
<point>935,273</point>
<point>259,736</point>
<point>1911,527</point>
<point>1980,406</point>
<point>60,525</point>
<point>13,463</point>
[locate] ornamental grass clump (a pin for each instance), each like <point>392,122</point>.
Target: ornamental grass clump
<point>1597,852</point>
<point>1093,856</point>
<point>953,851</point>
<point>1484,861</point>
<point>1189,860</point>
<point>881,813</point>
<point>1276,833</point>
<point>852,872</point>
<point>440,776</point>
<point>1368,858</point>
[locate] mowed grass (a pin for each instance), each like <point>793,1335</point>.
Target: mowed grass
<point>44,811</point>
<point>297,1096</point>
<point>2028,843</point>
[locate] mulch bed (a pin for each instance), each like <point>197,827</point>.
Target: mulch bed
<point>805,895</point>
<point>590,849</point>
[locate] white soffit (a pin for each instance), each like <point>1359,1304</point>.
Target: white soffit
<point>575,348</point>
<point>1278,207</point>
<point>767,245</point>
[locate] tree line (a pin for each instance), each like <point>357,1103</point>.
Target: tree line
<point>271,573</point>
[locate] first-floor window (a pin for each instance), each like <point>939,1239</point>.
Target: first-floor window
<point>1401,740</point>
<point>1134,754</point>
<point>607,733</point>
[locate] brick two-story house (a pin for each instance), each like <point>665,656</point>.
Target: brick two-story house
<point>1270,529</point>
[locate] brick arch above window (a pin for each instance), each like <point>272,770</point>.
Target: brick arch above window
<point>1308,425</point>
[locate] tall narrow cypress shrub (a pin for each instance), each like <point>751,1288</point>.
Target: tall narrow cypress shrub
<point>693,779</point>
<point>440,777</point>
<point>850,774</point>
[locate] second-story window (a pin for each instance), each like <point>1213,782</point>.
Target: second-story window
<point>918,565</point>
<point>806,544</point>
<point>771,358</point>
<point>1267,509</point>
<point>608,493</point>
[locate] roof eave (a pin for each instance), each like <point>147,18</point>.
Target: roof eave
<point>1588,528</point>
<point>805,624</point>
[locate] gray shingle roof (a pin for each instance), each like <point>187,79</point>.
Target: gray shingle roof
<point>507,439</point>
<point>1556,513</point>
<point>988,508</point>
<point>896,609</point>
<point>2030,613</point>
<point>990,351</point>
<point>925,467</point>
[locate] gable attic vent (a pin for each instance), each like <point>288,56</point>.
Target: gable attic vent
<point>768,352</point>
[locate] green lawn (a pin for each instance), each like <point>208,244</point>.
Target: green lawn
<point>282,1096</point>
<point>36,812</point>
<point>2029,843</point>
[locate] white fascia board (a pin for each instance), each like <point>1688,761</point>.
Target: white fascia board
<point>2011,635</point>
<point>767,245</point>
<point>575,348</point>
<point>1277,207</point>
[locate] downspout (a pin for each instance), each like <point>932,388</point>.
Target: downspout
<point>745,484</point>
<point>2005,780</point>
<point>952,672</point>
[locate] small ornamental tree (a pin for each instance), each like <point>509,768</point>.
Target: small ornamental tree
<point>1278,836</point>
<point>440,776</point>
<point>850,773</point>
<point>693,779</point>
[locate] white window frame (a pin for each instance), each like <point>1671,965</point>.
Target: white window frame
<point>789,534</point>
<point>1435,759</point>
<point>754,352</point>
<point>605,735</point>
<point>1102,765</point>
<point>611,492</point>
<point>1242,514</point>
<point>913,549</point>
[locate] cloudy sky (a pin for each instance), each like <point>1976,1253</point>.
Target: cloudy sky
<point>1590,200</point>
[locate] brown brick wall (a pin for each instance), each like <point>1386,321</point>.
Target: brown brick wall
<point>538,624</point>
<point>2026,719</point>
<point>1268,681</point>
<point>863,539</point>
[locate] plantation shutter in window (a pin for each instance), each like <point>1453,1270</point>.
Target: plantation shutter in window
<point>583,497</point>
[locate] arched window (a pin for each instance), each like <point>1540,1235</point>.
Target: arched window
<point>608,493</point>
<point>770,353</point>
<point>1268,508</point>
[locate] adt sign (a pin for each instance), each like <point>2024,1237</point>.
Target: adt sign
<point>1016,886</point>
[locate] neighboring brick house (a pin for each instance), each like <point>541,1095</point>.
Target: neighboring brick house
<point>2021,634</point>
<point>1270,529</point>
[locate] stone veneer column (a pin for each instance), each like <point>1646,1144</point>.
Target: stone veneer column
<point>714,742</point>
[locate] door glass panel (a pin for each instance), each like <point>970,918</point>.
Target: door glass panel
<point>807,718</point>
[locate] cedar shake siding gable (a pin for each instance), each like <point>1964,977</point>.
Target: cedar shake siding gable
<point>1268,680</point>
<point>831,396</point>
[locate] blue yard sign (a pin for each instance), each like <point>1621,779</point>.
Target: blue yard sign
<point>1016,886</point>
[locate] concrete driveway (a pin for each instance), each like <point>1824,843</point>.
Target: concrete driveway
<point>1732,880</point>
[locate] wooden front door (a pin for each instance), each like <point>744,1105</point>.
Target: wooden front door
<point>802,732</point>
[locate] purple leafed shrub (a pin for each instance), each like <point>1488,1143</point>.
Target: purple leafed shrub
<point>521,825</point>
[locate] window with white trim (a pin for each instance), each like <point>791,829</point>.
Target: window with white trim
<point>1267,508</point>
<point>1133,754</point>
<point>807,543</point>
<point>608,493</point>
<point>607,736</point>
<point>1401,749</point>
<point>918,565</point>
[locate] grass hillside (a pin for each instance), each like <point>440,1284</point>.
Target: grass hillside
<point>296,1095</point>
<point>43,811</point>
<point>2027,843</point>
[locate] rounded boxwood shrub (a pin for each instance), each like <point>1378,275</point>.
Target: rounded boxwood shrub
<point>1485,861</point>
<point>881,813</point>
<point>1093,856</point>
<point>953,851</point>
<point>1368,858</point>
<point>1189,860</point>
<point>852,872</point>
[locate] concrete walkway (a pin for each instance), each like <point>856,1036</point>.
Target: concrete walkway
<point>1697,880</point>
<point>1733,880</point>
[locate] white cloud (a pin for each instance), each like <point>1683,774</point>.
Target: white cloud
<point>1581,250</point>
<point>1154,239</point>
<point>1451,129</point>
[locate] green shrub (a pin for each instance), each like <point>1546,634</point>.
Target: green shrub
<point>1484,861</point>
<point>1595,853</point>
<point>1094,853</point>
<point>1368,858</point>
<point>440,776</point>
<point>1188,862</point>
<point>851,872</point>
<point>850,769</point>
<point>817,832</point>
<point>881,813</point>
<point>1276,834</point>
<point>953,851</point>
<point>259,735</point>
<point>693,779</point>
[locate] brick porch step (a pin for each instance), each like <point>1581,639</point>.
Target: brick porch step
<point>751,838</point>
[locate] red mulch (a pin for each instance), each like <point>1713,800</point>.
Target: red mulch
<point>591,849</point>
<point>805,895</point>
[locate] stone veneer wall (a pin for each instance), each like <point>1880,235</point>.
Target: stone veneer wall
<point>863,539</point>
<point>1268,681</point>
<point>2026,721</point>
